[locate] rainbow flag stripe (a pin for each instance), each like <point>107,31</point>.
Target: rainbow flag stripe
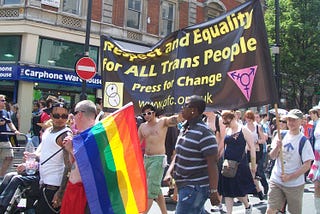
<point>111,164</point>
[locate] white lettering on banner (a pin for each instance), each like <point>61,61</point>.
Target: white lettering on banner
<point>6,68</point>
<point>5,74</point>
<point>43,74</point>
<point>95,81</point>
<point>70,77</point>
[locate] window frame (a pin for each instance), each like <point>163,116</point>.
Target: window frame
<point>4,2</point>
<point>15,46</point>
<point>164,21</point>
<point>78,10</point>
<point>136,11</point>
<point>44,57</point>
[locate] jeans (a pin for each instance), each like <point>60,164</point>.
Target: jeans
<point>260,171</point>
<point>192,199</point>
<point>35,140</point>
<point>10,184</point>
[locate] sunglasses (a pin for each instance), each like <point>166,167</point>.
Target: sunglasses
<point>148,113</point>
<point>283,121</point>
<point>3,101</point>
<point>58,116</point>
<point>187,105</point>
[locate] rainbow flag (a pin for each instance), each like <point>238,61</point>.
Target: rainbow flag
<point>111,164</point>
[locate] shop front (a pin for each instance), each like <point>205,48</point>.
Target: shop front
<point>31,83</point>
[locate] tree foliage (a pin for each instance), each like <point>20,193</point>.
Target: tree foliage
<point>299,50</point>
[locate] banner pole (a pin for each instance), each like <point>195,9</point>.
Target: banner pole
<point>279,137</point>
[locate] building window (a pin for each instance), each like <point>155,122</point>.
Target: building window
<point>134,13</point>
<point>10,48</point>
<point>62,53</point>
<point>12,2</point>
<point>71,6</point>
<point>168,17</point>
<point>214,9</point>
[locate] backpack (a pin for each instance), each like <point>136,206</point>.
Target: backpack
<point>36,118</point>
<point>271,163</point>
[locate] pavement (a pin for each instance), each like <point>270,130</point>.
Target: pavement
<point>259,207</point>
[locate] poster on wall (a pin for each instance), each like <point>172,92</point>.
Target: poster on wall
<point>225,60</point>
<point>52,3</point>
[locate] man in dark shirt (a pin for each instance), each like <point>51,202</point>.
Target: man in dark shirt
<point>195,163</point>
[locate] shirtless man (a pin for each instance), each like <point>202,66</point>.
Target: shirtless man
<point>153,133</point>
<point>74,200</point>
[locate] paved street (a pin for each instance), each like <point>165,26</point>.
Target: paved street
<point>259,207</point>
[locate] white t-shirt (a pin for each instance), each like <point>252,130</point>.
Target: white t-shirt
<point>51,172</point>
<point>291,159</point>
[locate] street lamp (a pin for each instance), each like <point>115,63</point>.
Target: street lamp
<point>83,95</point>
<point>276,48</point>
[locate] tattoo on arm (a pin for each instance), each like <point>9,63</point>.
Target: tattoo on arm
<point>66,172</point>
<point>173,121</point>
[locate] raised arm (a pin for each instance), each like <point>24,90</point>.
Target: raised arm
<point>173,120</point>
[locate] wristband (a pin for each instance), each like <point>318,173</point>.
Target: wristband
<point>213,191</point>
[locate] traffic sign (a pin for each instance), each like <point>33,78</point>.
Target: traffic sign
<point>86,68</point>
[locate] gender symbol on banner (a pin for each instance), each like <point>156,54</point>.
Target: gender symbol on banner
<point>244,79</point>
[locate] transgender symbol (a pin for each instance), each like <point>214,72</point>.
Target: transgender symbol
<point>244,79</point>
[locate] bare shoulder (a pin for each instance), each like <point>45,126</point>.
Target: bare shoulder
<point>247,134</point>
<point>163,121</point>
<point>142,125</point>
<point>245,130</point>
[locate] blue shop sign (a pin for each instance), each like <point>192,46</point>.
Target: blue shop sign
<point>8,72</point>
<point>36,74</point>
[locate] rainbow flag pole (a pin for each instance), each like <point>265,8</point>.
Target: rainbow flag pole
<point>111,164</point>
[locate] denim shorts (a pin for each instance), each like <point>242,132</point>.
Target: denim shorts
<point>192,199</point>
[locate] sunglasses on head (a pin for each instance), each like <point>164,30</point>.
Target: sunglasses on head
<point>58,116</point>
<point>148,113</point>
<point>187,105</point>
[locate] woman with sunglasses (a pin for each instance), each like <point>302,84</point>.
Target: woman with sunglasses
<point>236,140</point>
<point>282,126</point>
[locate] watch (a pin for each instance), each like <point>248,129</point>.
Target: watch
<point>213,191</point>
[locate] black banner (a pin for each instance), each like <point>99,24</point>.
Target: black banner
<point>226,60</point>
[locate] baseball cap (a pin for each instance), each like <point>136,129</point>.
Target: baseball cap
<point>295,114</point>
<point>316,107</point>
<point>59,104</point>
